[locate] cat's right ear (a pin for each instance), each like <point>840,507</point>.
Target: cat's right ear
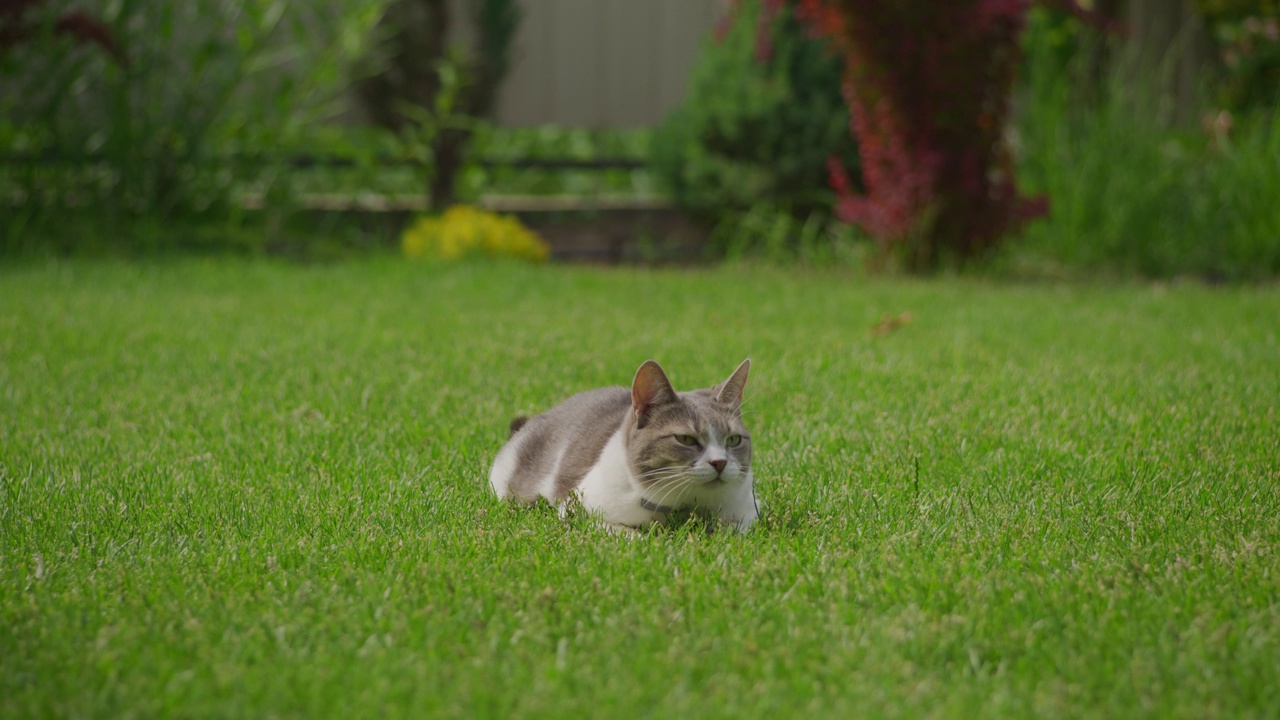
<point>650,389</point>
<point>731,390</point>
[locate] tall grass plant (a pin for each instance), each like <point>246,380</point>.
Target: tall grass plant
<point>1131,194</point>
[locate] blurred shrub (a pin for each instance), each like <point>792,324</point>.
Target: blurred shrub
<point>559,143</point>
<point>20,22</point>
<point>929,86</point>
<point>147,136</point>
<point>1133,197</point>
<point>416,74</point>
<point>464,231</point>
<point>774,235</point>
<point>762,116</point>
<point>1247,33</point>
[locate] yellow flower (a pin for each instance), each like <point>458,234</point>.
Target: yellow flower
<point>465,231</point>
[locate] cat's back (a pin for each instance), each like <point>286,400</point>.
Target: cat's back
<point>548,455</point>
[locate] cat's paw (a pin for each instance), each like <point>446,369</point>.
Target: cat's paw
<point>739,524</point>
<point>620,529</point>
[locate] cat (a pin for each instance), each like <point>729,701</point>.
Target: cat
<point>635,458</point>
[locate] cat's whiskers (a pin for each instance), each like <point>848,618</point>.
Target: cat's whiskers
<point>660,476</point>
<point>684,491</point>
<point>667,481</point>
<point>680,484</point>
<point>659,471</point>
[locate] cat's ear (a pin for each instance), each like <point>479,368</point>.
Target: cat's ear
<point>731,390</point>
<point>650,388</point>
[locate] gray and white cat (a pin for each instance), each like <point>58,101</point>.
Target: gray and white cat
<point>633,458</point>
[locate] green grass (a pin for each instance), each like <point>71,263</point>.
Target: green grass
<point>250,489</point>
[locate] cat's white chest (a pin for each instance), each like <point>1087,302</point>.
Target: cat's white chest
<point>610,491</point>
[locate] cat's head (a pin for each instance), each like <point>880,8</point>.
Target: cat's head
<point>683,444</point>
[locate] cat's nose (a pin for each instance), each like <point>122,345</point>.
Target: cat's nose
<point>718,465</point>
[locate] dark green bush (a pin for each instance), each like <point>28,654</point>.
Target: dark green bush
<point>764,113</point>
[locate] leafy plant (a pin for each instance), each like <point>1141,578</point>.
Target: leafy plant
<point>1247,33</point>
<point>423,133</point>
<point>1131,196</point>
<point>407,80</point>
<point>775,234</point>
<point>204,78</point>
<point>550,142</point>
<point>762,117</point>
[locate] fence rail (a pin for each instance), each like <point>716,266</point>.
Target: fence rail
<point>334,161</point>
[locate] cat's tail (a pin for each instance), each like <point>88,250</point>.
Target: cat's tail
<point>516,424</point>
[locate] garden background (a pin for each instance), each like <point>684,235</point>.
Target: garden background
<point>275,275</point>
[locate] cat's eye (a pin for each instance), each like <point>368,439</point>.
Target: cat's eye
<point>733,441</point>
<point>687,440</point>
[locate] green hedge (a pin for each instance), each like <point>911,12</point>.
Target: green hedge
<point>763,114</point>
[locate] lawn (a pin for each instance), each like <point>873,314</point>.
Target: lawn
<point>249,489</point>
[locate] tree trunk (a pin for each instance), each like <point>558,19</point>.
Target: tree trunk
<point>1169,51</point>
<point>415,34</point>
<point>417,40</point>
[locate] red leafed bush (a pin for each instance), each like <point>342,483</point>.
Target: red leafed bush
<point>928,85</point>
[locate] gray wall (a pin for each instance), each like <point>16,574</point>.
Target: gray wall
<point>603,63</point>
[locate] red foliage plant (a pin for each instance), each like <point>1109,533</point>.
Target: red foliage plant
<point>928,85</point>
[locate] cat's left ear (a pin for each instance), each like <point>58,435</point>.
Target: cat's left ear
<point>650,389</point>
<point>731,390</point>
